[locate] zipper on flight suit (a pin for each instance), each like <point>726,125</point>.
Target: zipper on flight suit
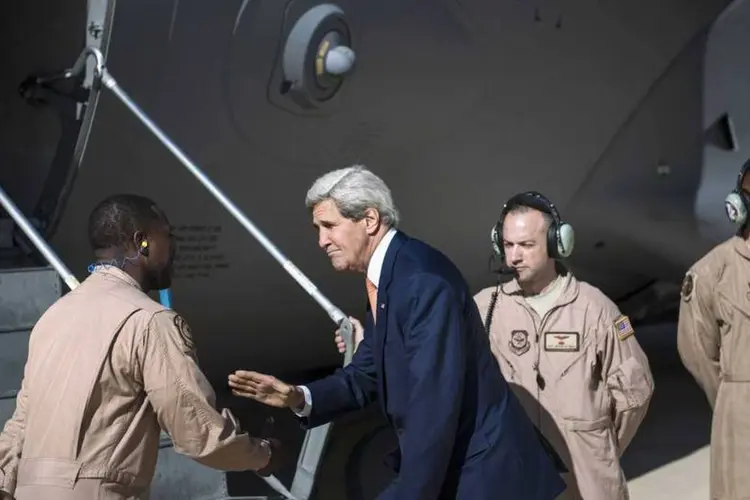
<point>540,382</point>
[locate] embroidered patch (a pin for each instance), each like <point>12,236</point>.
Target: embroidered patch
<point>623,327</point>
<point>519,342</point>
<point>562,341</point>
<point>186,336</point>
<point>688,284</point>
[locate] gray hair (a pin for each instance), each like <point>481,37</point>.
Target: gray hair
<point>354,190</point>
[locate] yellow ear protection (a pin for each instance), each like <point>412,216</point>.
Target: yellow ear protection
<point>144,248</point>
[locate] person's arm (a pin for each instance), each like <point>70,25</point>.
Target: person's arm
<point>347,389</point>
<point>435,344</point>
<point>184,401</point>
<point>627,375</point>
<point>11,444</point>
<point>698,337</point>
<point>357,337</point>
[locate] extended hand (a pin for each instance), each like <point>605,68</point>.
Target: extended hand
<point>265,389</point>
<point>358,335</point>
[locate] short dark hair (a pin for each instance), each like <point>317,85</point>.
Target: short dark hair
<point>521,208</point>
<point>115,219</point>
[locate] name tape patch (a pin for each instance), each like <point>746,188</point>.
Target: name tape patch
<point>623,327</point>
<point>562,341</point>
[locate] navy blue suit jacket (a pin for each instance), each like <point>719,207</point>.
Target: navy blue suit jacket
<point>462,433</point>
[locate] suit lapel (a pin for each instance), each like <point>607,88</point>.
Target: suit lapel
<point>380,328</point>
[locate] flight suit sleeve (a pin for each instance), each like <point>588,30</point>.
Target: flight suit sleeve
<point>184,400</point>
<point>698,337</point>
<point>627,375</point>
<point>11,444</point>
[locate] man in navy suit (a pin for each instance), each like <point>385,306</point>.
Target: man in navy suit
<point>425,357</point>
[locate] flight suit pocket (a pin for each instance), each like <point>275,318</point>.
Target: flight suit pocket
<point>573,364</point>
<point>577,396</point>
<point>593,438</point>
<point>48,472</point>
<point>631,379</point>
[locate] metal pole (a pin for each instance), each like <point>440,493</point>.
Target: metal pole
<point>334,312</point>
<point>315,439</point>
<point>38,241</point>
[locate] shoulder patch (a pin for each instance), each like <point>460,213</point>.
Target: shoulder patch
<point>185,334</point>
<point>688,285</point>
<point>623,327</point>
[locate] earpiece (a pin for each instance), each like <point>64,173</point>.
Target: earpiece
<point>144,248</point>
<point>560,237</point>
<point>737,202</point>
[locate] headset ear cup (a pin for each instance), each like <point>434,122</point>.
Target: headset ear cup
<point>735,208</point>
<point>566,240</point>
<point>495,240</point>
<point>552,246</point>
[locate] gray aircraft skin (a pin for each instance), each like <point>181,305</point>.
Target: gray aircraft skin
<point>631,116</point>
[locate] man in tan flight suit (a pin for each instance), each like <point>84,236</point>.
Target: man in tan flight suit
<point>566,350</point>
<point>713,339</point>
<point>108,367</point>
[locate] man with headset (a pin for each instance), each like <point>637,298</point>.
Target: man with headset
<point>566,349</point>
<point>712,339</point>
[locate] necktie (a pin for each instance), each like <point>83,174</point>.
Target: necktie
<point>372,295</point>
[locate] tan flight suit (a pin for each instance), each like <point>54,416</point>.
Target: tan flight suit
<point>108,367</point>
<point>713,339</point>
<point>582,362</point>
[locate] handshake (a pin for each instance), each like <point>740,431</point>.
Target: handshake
<point>271,391</point>
<point>276,460</point>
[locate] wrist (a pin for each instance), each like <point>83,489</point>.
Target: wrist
<point>297,399</point>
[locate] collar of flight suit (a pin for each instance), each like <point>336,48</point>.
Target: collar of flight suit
<point>741,246</point>
<point>570,289</point>
<point>112,272</point>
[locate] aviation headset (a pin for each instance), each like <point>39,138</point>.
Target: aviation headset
<point>737,202</point>
<point>560,236</point>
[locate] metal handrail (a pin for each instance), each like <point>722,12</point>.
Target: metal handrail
<point>315,439</point>
<point>41,245</point>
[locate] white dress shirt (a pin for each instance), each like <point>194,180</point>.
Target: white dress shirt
<point>374,268</point>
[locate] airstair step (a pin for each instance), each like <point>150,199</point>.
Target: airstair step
<point>14,347</point>
<point>25,293</point>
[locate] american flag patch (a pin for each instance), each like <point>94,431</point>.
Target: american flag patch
<point>623,327</point>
